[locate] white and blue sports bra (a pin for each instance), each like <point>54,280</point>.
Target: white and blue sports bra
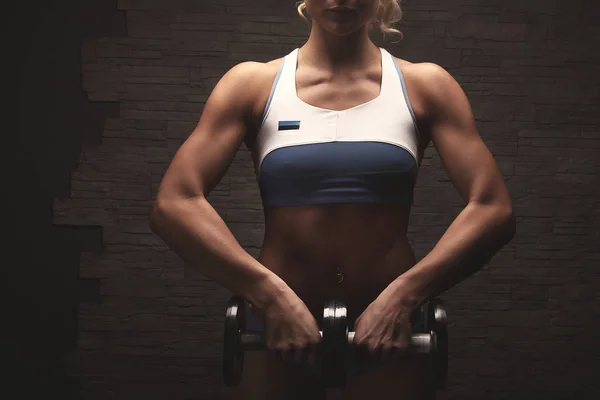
<point>307,155</point>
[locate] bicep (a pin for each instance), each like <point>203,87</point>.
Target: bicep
<point>204,158</point>
<point>467,160</point>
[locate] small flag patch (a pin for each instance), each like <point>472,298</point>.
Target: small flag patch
<point>288,125</point>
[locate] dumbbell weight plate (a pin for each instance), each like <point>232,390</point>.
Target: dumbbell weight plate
<point>418,319</point>
<point>334,347</point>
<point>233,355</point>
<point>440,327</point>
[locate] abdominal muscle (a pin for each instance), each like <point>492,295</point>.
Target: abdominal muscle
<point>308,246</point>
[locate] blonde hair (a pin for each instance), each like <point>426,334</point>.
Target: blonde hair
<point>389,13</point>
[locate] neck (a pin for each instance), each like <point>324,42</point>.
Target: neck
<point>329,52</point>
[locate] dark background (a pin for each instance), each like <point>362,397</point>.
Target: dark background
<point>106,91</point>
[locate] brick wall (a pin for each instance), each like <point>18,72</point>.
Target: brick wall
<point>523,326</point>
<point>50,117</point>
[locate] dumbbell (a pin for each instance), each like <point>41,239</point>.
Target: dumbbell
<point>434,317</point>
<point>336,342</point>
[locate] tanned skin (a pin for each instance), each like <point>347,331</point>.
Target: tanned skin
<point>338,68</point>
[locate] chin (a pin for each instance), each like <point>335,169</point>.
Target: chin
<point>341,29</point>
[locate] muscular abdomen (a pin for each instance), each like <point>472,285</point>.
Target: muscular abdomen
<point>307,246</point>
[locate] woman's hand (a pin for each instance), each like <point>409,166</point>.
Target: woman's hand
<point>290,329</point>
<point>383,331</point>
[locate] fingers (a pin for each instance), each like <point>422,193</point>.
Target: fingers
<point>307,354</point>
<point>385,351</point>
<point>395,352</point>
<point>311,354</point>
<point>301,354</point>
<point>286,351</point>
<point>301,348</point>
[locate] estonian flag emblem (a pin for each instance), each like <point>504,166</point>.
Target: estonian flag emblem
<point>289,125</point>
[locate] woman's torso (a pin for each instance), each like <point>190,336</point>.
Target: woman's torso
<point>349,252</point>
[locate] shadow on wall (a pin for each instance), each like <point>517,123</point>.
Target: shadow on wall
<point>54,119</point>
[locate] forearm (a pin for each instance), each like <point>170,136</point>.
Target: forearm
<point>476,234</point>
<point>195,232</point>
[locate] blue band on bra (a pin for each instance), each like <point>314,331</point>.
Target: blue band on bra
<point>337,172</point>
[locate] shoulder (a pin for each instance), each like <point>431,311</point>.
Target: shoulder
<point>428,77</point>
<point>254,69</point>
<point>432,85</point>
<point>250,75</point>
<point>250,83</point>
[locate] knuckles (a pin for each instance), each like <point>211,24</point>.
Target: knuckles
<point>290,346</point>
<point>382,347</point>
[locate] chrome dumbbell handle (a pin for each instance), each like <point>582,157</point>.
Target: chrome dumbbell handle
<point>421,343</point>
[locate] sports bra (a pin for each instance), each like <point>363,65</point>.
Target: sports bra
<point>306,155</point>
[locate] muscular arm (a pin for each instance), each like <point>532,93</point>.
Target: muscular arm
<point>486,223</point>
<point>183,217</point>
